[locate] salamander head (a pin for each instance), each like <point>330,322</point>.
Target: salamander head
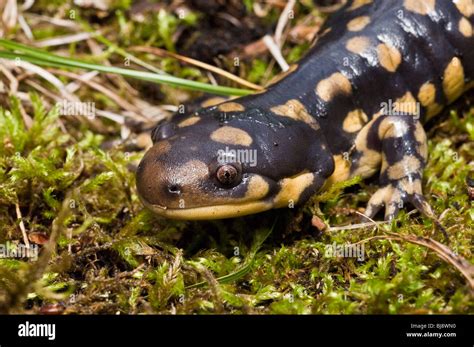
<point>219,164</point>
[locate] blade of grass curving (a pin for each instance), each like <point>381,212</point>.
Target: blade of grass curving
<point>40,57</point>
<point>260,237</point>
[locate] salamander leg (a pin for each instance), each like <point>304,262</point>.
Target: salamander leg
<point>397,146</point>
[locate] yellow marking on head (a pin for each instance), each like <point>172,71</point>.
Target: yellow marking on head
<point>283,74</point>
<point>358,3</point>
<point>427,96</point>
<point>257,188</point>
<point>465,27</point>
<point>358,44</point>
<point>409,164</point>
<point>420,6</point>
<point>231,107</point>
<point>189,121</point>
<point>231,136</point>
<point>453,82</point>
<point>341,172</point>
<point>213,101</point>
<point>466,7</point>
<point>335,84</point>
<point>292,188</point>
<point>354,121</point>
<point>359,23</point>
<point>191,170</point>
<point>211,212</point>
<point>389,56</point>
<point>295,109</point>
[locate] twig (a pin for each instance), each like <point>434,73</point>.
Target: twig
<point>283,21</point>
<point>356,226</point>
<point>161,52</point>
<point>25,27</point>
<point>276,52</point>
<point>441,250</point>
<point>65,23</point>
<point>46,75</point>
<point>99,87</point>
<point>22,228</point>
<point>73,86</point>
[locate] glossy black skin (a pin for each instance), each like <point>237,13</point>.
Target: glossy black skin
<point>286,146</point>
<point>427,44</point>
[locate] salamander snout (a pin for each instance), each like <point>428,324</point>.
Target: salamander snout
<point>155,185</point>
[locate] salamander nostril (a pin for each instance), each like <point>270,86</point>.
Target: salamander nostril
<point>174,189</point>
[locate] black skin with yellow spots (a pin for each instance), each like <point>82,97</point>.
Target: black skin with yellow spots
<point>353,105</point>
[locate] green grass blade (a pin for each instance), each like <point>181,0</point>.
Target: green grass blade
<point>40,57</point>
<point>241,271</point>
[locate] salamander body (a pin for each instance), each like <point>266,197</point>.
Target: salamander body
<point>353,106</point>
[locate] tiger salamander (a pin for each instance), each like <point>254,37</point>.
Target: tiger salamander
<point>354,105</point>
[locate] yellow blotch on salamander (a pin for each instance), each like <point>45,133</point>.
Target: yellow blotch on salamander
<point>465,27</point>
<point>409,164</point>
<point>453,81</point>
<point>295,109</point>
<point>389,128</point>
<point>292,188</point>
<point>231,107</point>
<point>257,188</point>
<point>420,136</point>
<point>335,84</point>
<point>420,6</point>
<point>427,97</point>
<point>354,121</point>
<point>232,136</point>
<point>389,56</point>
<point>406,104</point>
<point>213,101</point>
<point>358,44</point>
<point>370,160</point>
<point>342,168</point>
<point>466,7</point>
<point>359,23</point>
<point>188,122</point>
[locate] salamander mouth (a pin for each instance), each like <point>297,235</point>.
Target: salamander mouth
<point>211,212</point>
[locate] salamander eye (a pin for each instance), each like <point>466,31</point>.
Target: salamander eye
<point>228,175</point>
